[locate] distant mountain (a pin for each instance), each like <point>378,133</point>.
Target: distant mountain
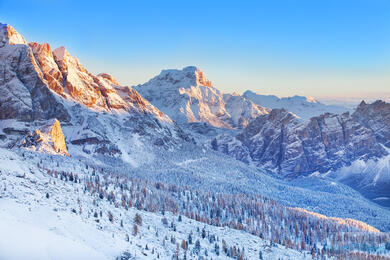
<point>187,96</point>
<point>303,107</point>
<point>280,143</point>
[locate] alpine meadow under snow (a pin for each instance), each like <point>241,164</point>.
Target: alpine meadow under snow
<point>176,169</point>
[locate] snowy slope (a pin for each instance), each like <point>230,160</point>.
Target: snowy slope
<point>303,107</point>
<point>61,225</point>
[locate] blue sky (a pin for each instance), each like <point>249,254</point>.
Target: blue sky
<point>322,48</point>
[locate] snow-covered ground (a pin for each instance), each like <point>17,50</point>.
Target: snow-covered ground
<point>42,217</point>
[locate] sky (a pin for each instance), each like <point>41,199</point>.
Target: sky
<point>329,49</point>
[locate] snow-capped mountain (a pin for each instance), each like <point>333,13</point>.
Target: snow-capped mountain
<point>187,96</point>
<point>303,107</point>
<point>281,143</point>
<point>95,111</point>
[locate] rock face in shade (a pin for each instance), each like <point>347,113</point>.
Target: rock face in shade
<point>352,148</point>
<point>282,143</point>
<point>48,139</point>
<point>375,116</point>
<point>187,96</point>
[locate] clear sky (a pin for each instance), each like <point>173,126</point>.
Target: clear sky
<point>321,48</point>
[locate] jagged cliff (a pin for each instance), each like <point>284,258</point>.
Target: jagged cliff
<point>281,143</point>
<point>353,148</point>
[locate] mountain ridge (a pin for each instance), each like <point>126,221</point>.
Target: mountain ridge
<point>304,107</point>
<point>281,143</point>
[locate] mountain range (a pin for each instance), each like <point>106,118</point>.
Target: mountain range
<point>303,107</point>
<point>176,139</point>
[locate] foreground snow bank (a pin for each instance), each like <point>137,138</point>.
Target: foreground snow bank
<point>38,233</point>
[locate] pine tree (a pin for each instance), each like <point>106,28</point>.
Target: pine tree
<point>189,239</point>
<point>216,249</point>
<point>203,233</point>
<point>138,219</point>
<point>184,244</point>
<point>135,230</point>
<point>197,247</point>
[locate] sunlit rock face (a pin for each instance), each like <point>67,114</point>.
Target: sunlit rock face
<point>282,143</point>
<point>35,80</point>
<point>23,90</point>
<point>49,68</point>
<point>48,139</point>
<point>67,77</point>
<point>187,96</point>
<point>9,35</point>
<point>79,83</point>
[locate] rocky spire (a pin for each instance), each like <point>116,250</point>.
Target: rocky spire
<point>8,35</point>
<point>48,139</point>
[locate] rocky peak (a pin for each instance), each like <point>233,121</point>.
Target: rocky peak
<point>43,49</point>
<point>49,68</point>
<point>200,77</point>
<point>8,35</point>
<point>187,96</point>
<point>110,78</point>
<point>362,104</point>
<point>377,106</point>
<point>187,77</point>
<point>375,116</point>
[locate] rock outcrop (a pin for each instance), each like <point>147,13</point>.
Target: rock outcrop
<point>48,139</point>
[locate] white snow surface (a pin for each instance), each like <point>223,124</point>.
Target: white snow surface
<point>33,226</point>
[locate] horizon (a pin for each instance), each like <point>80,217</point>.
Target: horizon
<point>282,50</point>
